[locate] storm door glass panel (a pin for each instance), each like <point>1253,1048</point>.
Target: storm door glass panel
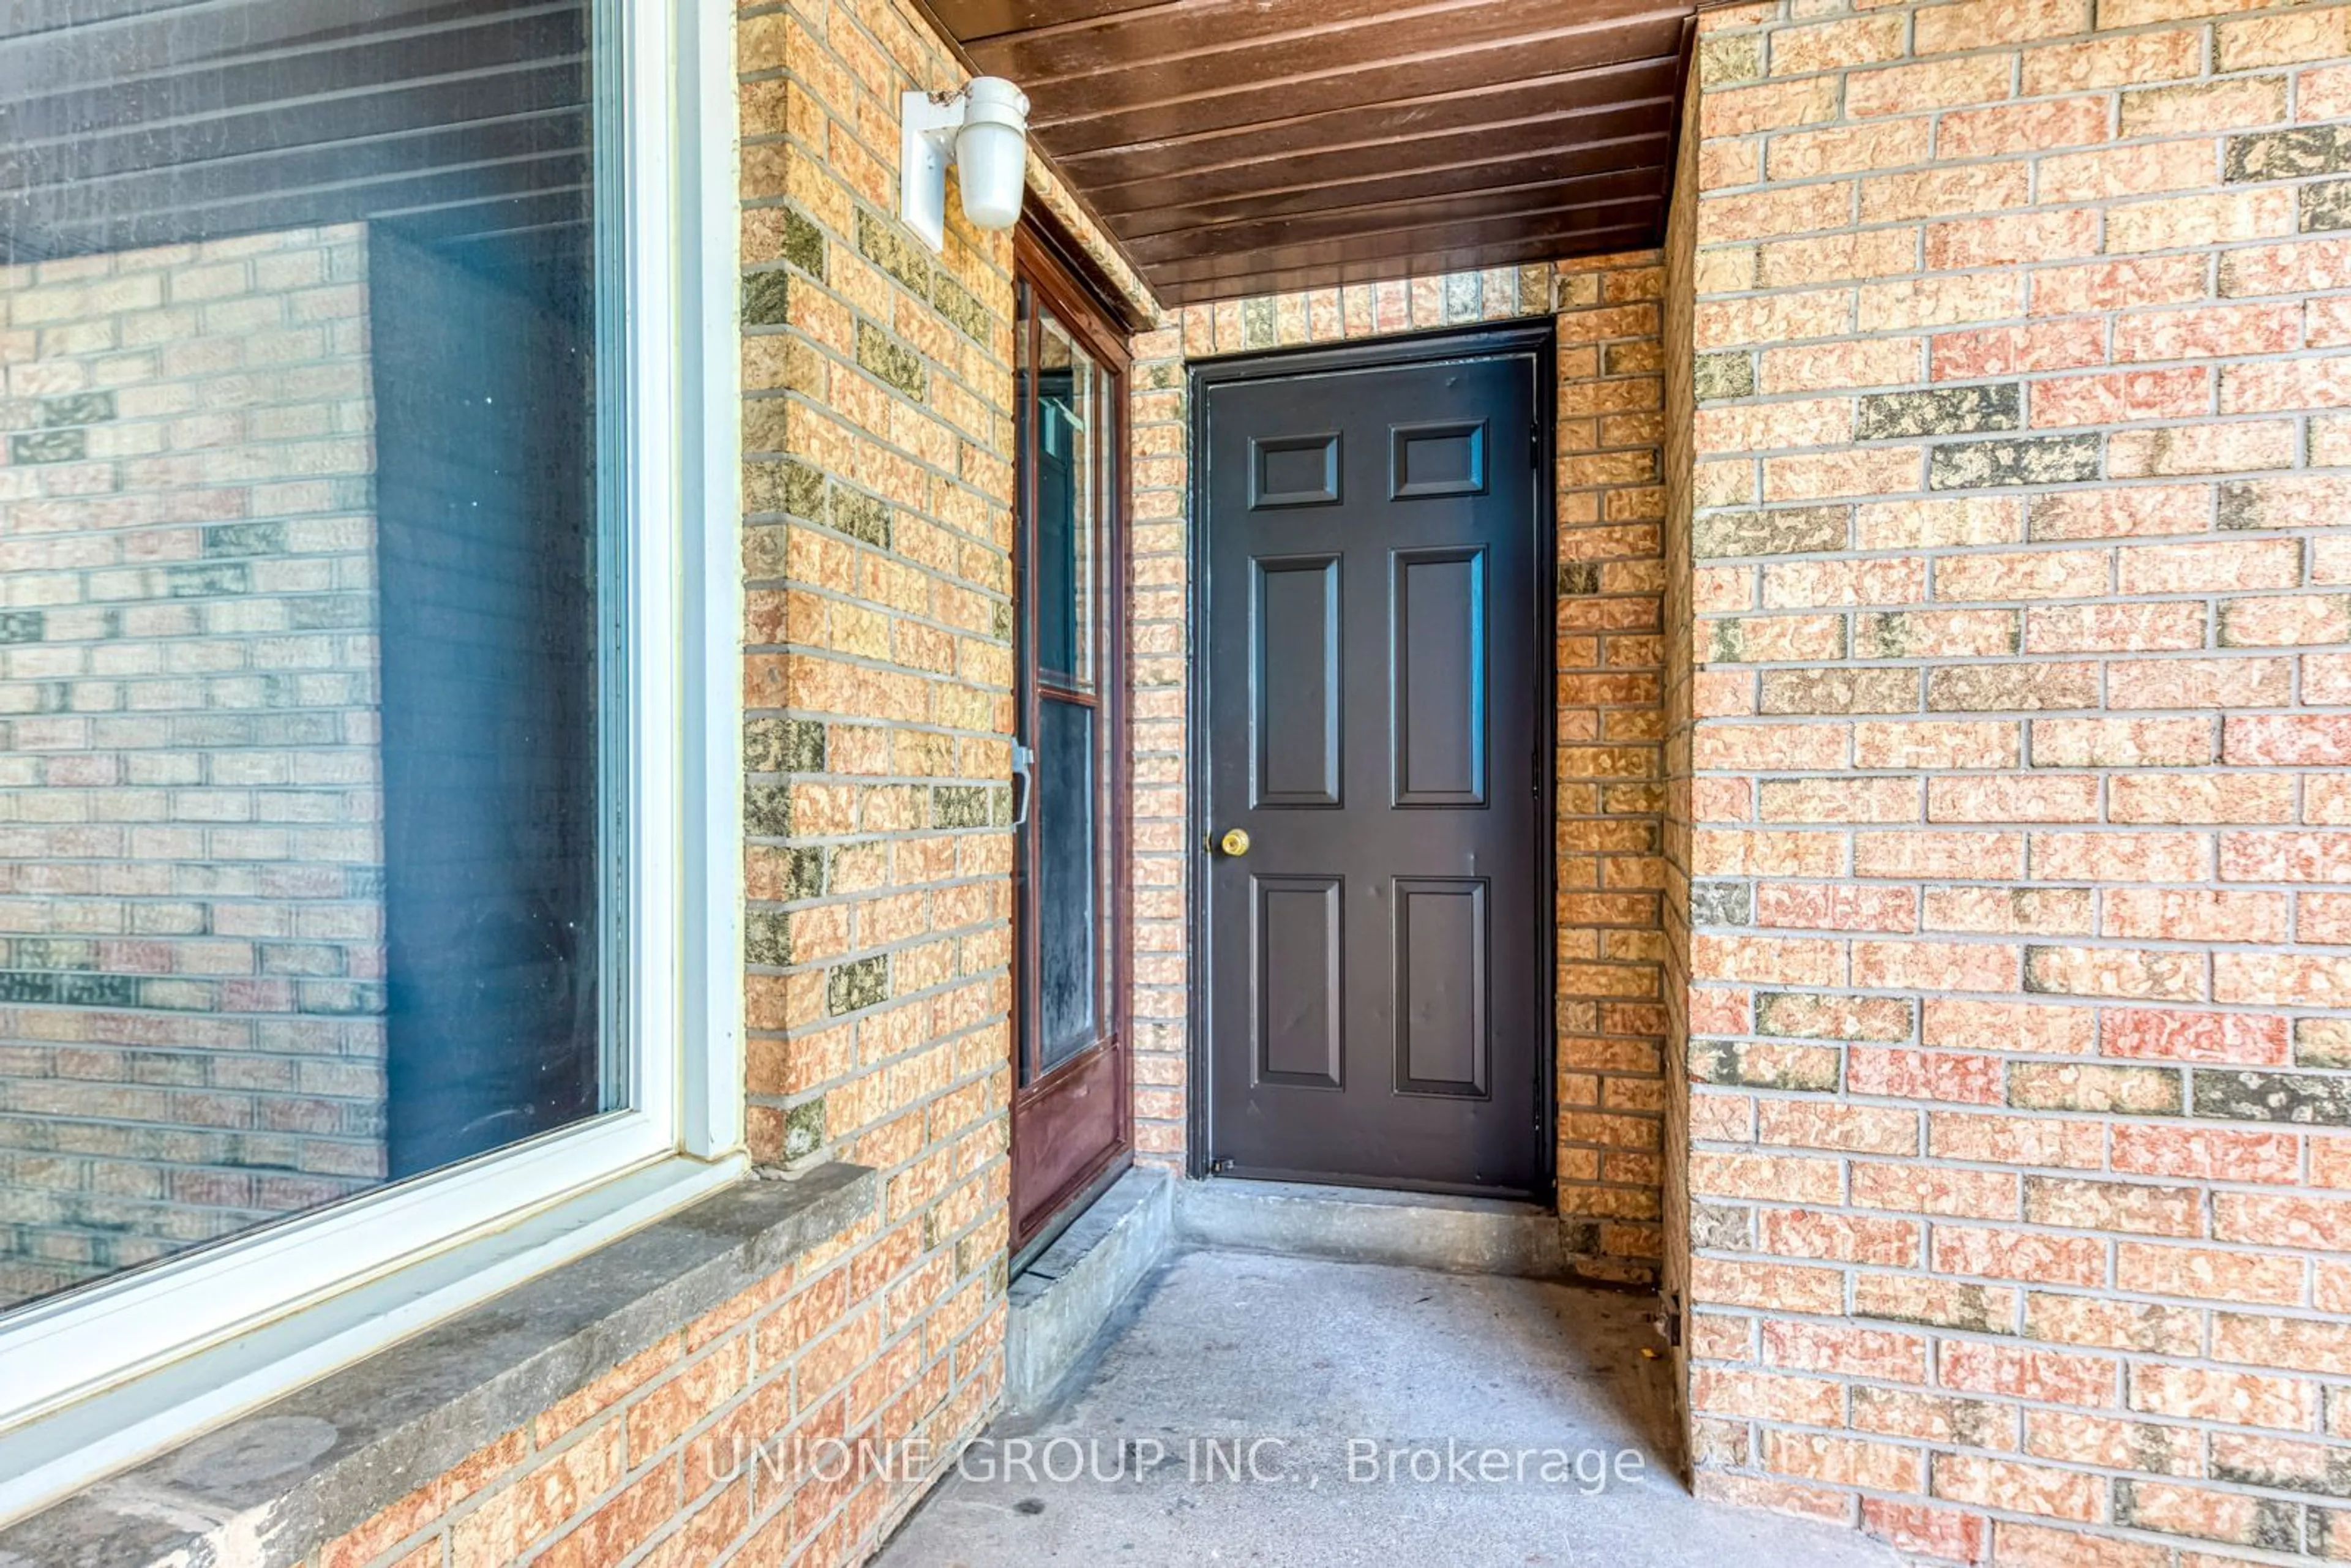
<point>1069,915</point>
<point>1066,484</point>
<point>303,612</point>
<point>1064,863</point>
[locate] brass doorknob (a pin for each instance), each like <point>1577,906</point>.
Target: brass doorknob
<point>1235,842</point>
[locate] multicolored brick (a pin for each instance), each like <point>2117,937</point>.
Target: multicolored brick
<point>2109,684</point>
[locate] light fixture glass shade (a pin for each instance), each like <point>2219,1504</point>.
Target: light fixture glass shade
<point>992,154</point>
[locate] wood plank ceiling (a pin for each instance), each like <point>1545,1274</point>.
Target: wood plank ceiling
<point>1240,146</point>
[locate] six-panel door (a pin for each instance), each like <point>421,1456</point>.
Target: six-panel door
<point>1374,673</point>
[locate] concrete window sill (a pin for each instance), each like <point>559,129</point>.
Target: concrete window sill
<point>266,1488</point>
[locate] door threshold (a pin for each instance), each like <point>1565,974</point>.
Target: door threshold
<point>1378,1187</point>
<point>1452,1233</point>
<point>1072,1208</point>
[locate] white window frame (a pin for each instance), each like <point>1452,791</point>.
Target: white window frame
<point>106,1374</point>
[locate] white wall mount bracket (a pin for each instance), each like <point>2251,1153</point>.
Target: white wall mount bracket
<point>927,124</point>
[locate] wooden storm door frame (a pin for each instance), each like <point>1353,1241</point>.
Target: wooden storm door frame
<point>1072,1120</point>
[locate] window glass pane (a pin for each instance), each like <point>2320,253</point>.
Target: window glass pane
<point>301,885</point>
<point>1066,501</point>
<point>1068,937</point>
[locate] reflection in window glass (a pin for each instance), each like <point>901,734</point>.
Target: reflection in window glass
<point>1066,501</point>
<point>300,878</point>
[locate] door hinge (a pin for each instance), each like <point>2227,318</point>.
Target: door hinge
<point>1668,1322</point>
<point>1218,1167</point>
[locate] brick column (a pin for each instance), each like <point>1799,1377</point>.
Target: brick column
<point>2020,879</point>
<point>878,667</point>
<point>1609,1017</point>
<point>1159,568</point>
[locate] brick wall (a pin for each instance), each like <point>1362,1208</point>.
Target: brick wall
<point>2022,1184</point>
<point>1610,507</point>
<point>877,490</point>
<point>721,1441</point>
<point>190,860</point>
<point>1609,504</point>
<point>1677,701</point>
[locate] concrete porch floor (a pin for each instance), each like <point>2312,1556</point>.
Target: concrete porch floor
<point>1330,1362</point>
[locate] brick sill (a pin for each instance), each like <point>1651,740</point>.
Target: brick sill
<point>268,1487</point>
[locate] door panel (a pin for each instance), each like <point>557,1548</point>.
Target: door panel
<point>1299,978</point>
<point>1437,668</point>
<point>1443,1046</point>
<point>1294,652</point>
<point>1376,653</point>
<point>1446,457</point>
<point>1295,471</point>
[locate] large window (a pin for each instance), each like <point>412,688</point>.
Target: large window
<point>324,660</point>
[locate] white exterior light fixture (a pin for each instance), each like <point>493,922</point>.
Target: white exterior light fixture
<point>983,129</point>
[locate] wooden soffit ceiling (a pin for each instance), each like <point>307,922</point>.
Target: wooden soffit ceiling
<point>1241,146</point>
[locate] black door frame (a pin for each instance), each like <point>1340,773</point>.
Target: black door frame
<point>1540,338</point>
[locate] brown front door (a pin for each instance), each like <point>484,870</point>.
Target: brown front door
<point>1377,656</point>
<point>1070,1100</point>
